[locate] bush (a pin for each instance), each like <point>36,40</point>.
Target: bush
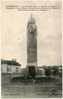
<point>47,71</point>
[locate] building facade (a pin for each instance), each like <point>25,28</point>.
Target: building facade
<point>10,66</point>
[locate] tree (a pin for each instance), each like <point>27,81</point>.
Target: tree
<point>55,70</point>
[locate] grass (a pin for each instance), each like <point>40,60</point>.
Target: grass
<point>44,88</point>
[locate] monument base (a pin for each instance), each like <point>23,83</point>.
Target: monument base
<point>31,71</point>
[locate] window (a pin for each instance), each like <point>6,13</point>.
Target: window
<point>8,69</point>
<point>17,69</point>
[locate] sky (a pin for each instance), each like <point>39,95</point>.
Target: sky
<point>14,36</point>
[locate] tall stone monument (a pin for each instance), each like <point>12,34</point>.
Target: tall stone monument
<point>31,47</point>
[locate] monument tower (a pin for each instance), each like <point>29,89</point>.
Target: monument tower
<point>31,46</point>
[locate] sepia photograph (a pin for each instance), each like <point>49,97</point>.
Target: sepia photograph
<point>31,57</point>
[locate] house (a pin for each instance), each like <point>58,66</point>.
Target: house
<point>10,66</point>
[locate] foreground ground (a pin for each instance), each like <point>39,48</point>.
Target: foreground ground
<point>30,89</point>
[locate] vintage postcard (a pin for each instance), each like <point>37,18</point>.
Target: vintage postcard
<point>31,64</point>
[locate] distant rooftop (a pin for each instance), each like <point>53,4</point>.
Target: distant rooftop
<point>10,62</point>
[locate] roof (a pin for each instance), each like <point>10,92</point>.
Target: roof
<point>10,62</point>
